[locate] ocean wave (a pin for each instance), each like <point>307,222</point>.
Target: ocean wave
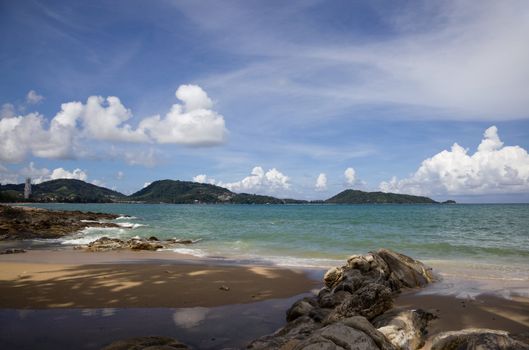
<point>92,221</point>
<point>187,251</point>
<point>130,225</point>
<point>125,217</point>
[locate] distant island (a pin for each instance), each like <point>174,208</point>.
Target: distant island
<point>183,192</point>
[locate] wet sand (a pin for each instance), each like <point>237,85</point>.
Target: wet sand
<point>70,279</point>
<point>483,311</point>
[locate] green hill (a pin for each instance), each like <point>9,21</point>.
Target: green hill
<point>182,192</point>
<point>361,197</point>
<point>186,192</point>
<point>61,190</point>
<point>171,191</point>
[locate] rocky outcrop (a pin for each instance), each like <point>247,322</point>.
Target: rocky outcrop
<point>347,311</point>
<point>405,329</point>
<point>476,339</point>
<point>147,343</point>
<point>152,243</point>
<point>28,223</point>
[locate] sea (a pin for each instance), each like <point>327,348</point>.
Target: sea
<point>480,245</point>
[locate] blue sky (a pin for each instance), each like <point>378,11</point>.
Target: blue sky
<point>272,95</point>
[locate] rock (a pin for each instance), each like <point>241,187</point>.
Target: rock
<point>405,270</point>
<point>476,339</point>
<point>13,251</point>
<point>338,336</point>
<point>104,244</point>
<point>300,308</point>
<point>332,277</point>
<point>224,288</point>
<point>287,337</point>
<point>369,301</point>
<point>354,294</point>
<point>362,324</point>
<point>146,343</point>
<point>135,243</point>
<point>405,329</point>
<point>29,223</point>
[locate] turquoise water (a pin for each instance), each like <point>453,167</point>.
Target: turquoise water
<point>324,235</point>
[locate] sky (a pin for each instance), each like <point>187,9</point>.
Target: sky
<point>297,99</point>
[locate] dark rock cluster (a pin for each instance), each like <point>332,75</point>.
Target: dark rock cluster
<point>29,223</point>
<point>152,243</point>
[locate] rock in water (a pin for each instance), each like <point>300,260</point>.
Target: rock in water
<point>477,339</point>
<point>147,343</point>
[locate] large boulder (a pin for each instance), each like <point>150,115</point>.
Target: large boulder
<point>477,339</point>
<point>339,316</point>
<point>147,343</point>
<point>405,329</point>
<point>406,271</point>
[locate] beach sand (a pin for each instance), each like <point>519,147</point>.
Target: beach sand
<point>70,279</point>
<point>483,311</point>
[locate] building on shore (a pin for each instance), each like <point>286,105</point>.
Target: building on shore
<point>27,188</point>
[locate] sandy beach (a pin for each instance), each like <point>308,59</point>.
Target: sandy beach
<point>70,279</point>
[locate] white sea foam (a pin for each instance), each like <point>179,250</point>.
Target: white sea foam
<point>130,225</point>
<point>188,251</point>
<point>91,221</point>
<point>125,217</point>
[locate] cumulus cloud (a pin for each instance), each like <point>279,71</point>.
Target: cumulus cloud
<point>493,168</point>
<point>321,182</point>
<point>39,175</point>
<point>191,123</point>
<point>203,179</point>
<point>61,173</point>
<point>33,97</point>
<point>350,176</point>
<point>258,180</point>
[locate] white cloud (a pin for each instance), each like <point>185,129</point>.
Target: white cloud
<point>350,176</point>
<point>39,175</point>
<point>258,180</point>
<point>104,119</point>
<point>203,179</point>
<point>493,168</point>
<point>33,97</point>
<point>120,175</point>
<point>321,182</point>
<point>192,123</point>
<point>98,183</point>
<point>146,184</point>
<point>61,173</point>
<point>7,111</point>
